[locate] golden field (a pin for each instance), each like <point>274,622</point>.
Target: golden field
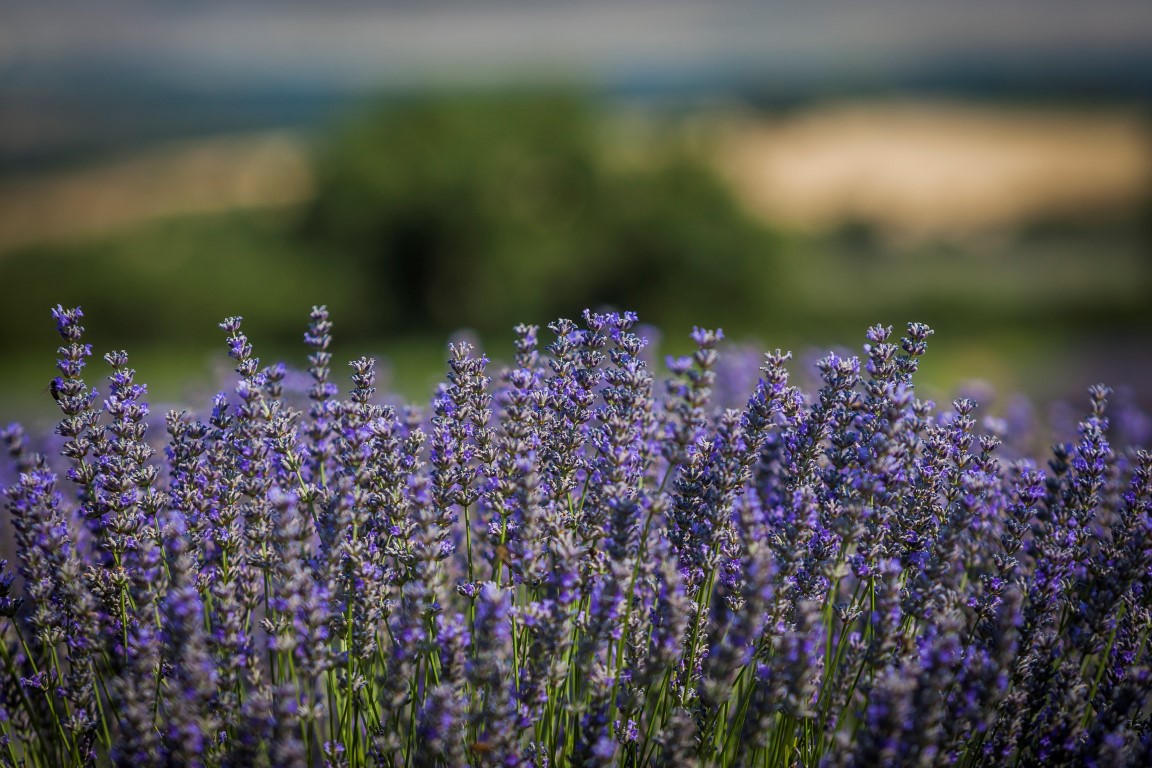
<point>917,170</point>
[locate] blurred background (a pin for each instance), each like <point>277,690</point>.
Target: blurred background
<point>792,172</point>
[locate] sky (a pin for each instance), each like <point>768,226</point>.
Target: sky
<point>81,78</point>
<point>214,44</point>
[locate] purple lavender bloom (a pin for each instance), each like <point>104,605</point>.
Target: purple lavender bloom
<point>573,563</point>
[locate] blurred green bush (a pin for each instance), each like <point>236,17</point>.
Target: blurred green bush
<point>430,214</point>
<point>446,211</point>
<point>169,282</point>
<point>485,211</point>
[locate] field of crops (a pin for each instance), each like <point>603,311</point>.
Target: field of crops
<point>584,557</point>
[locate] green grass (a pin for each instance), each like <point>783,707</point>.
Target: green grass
<point>1021,314</point>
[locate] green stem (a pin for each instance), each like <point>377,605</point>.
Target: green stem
<point>27,702</point>
<point>1103,665</point>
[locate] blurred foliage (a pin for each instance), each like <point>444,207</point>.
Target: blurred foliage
<point>482,212</point>
<point>436,214</point>
<point>170,282</point>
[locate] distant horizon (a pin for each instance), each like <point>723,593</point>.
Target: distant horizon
<point>357,45</point>
<point>78,79</point>
<point>44,129</point>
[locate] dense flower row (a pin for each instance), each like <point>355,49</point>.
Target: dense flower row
<point>573,565</point>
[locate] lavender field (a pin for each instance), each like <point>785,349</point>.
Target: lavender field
<point>580,559</point>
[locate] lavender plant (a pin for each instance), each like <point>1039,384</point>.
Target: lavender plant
<point>568,563</point>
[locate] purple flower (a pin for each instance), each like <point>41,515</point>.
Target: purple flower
<point>576,561</point>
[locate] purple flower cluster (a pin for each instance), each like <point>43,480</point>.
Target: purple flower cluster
<point>571,563</point>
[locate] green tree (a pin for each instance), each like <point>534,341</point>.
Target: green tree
<point>487,210</point>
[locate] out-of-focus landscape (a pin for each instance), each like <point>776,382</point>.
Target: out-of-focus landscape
<point>793,174</point>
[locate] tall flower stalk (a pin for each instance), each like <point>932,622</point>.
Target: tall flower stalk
<point>574,560</point>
